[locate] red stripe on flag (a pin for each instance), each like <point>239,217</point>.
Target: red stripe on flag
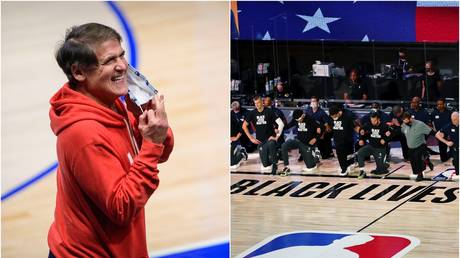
<point>436,24</point>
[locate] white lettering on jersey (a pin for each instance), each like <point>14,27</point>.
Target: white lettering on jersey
<point>338,125</point>
<point>302,128</point>
<point>261,120</point>
<point>375,133</point>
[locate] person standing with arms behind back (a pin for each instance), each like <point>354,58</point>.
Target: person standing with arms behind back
<point>108,158</point>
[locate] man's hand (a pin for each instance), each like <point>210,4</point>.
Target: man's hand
<point>254,140</point>
<point>273,138</point>
<point>361,143</point>
<point>312,141</point>
<point>388,133</point>
<point>450,144</point>
<point>382,141</point>
<point>153,123</point>
<point>395,122</point>
<point>234,139</point>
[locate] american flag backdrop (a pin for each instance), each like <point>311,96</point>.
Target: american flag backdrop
<point>389,21</point>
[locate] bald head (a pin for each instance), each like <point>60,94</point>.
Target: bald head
<point>454,118</point>
<point>235,106</point>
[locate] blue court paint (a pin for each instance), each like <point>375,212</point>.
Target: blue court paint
<point>297,239</point>
<point>29,182</point>
<point>133,61</point>
<point>128,31</point>
<point>218,250</point>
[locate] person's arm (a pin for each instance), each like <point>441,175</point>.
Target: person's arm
<point>423,89</point>
<point>248,134</point>
<point>440,136</point>
<point>280,124</point>
<point>236,138</point>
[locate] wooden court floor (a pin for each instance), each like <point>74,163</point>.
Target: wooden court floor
<point>264,205</point>
<point>183,49</point>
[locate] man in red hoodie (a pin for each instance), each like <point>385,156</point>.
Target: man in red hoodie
<point>108,158</point>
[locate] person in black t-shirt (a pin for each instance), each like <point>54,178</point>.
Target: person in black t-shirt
<point>268,104</point>
<point>417,112</point>
<point>318,114</point>
<point>356,89</point>
<point>439,118</point>
<point>308,130</point>
<point>431,83</point>
<point>241,112</point>
<point>264,120</point>
<point>342,129</point>
<point>402,65</point>
<point>236,154</point>
<point>377,133</point>
<point>449,136</point>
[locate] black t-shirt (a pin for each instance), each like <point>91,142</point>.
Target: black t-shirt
<point>264,122</point>
<point>306,130</point>
<point>342,129</point>
<point>420,115</point>
<point>356,89</point>
<point>374,134</point>
<point>440,119</point>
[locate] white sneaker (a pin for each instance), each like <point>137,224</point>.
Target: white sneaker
<point>454,177</point>
<point>413,176</point>
<point>265,169</point>
<point>351,168</point>
<point>343,174</point>
<point>234,167</point>
<point>310,170</point>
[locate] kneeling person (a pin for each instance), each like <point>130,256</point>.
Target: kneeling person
<point>377,133</point>
<point>307,132</point>
<point>264,120</point>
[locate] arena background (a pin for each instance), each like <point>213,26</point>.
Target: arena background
<point>304,212</point>
<point>176,45</point>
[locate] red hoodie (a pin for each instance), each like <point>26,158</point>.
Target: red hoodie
<point>103,182</point>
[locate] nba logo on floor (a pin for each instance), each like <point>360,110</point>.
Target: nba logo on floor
<point>316,244</point>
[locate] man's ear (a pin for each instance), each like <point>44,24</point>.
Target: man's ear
<point>78,73</point>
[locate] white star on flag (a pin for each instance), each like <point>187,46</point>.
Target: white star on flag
<point>290,135</point>
<point>267,36</point>
<point>317,20</point>
<point>365,39</point>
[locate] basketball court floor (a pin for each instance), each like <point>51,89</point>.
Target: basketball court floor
<point>270,213</point>
<point>176,45</point>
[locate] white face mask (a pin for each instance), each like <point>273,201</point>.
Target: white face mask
<point>140,91</point>
<point>374,109</point>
